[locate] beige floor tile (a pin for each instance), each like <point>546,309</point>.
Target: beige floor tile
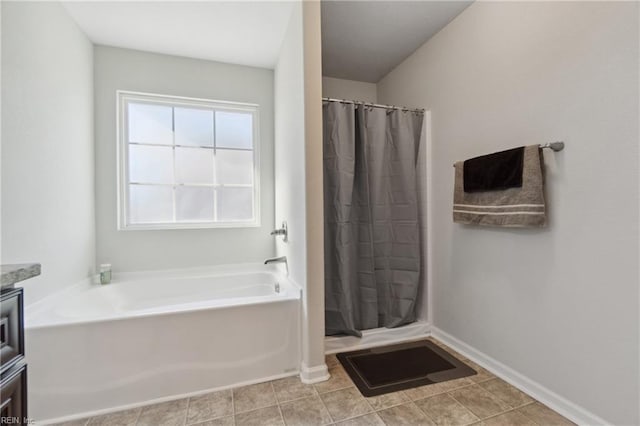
<point>331,360</point>
<point>305,412</point>
<point>339,380</point>
<point>482,375</point>
<point>387,400</point>
<point>444,410</point>
<point>210,406</point>
<point>404,415</point>
<point>507,393</point>
<point>172,413</point>
<point>371,419</point>
<point>268,416</point>
<point>543,415</point>
<point>120,418</point>
<point>426,391</point>
<point>479,401</point>
<point>291,388</point>
<point>252,397</point>
<point>345,403</point>
<point>510,418</point>
<point>222,421</point>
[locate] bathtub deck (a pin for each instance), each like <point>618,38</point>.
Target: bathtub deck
<point>482,399</point>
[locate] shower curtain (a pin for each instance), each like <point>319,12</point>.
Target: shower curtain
<point>372,236</point>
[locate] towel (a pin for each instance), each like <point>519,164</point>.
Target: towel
<point>501,170</point>
<point>512,207</point>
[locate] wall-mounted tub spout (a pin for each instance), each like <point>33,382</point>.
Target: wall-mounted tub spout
<point>281,259</point>
<point>284,231</point>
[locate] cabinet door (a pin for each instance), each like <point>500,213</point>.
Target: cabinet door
<point>11,328</point>
<point>13,399</point>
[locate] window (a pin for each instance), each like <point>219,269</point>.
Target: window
<point>186,163</point>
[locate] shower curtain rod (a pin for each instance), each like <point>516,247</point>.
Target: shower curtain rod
<point>372,105</point>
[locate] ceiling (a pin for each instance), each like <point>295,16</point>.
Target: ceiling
<point>361,40</point>
<point>365,40</point>
<point>238,32</point>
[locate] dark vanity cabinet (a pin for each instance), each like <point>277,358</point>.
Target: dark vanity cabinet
<point>13,369</point>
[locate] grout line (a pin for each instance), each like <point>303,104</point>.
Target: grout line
<point>409,401</point>
<point>186,412</point>
<point>299,398</point>
<point>326,409</point>
<point>233,408</point>
<point>510,410</point>
<point>277,403</point>
<point>356,416</point>
<point>444,391</point>
<point>250,411</point>
<point>138,416</point>
<point>275,394</point>
<point>465,407</point>
<point>424,412</point>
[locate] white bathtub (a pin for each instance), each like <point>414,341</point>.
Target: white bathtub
<point>154,336</point>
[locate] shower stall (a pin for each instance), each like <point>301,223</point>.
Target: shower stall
<point>374,198</point>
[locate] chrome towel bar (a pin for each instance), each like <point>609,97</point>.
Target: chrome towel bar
<point>553,146</point>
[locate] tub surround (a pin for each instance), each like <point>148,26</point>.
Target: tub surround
<point>14,273</point>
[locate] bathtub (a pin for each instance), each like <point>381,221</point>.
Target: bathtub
<point>149,337</point>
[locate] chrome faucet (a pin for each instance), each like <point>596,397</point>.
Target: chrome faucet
<point>281,259</point>
<point>284,231</point>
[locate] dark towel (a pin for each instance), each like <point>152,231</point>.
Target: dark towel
<point>501,170</point>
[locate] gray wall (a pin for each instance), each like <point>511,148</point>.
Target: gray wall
<point>349,89</point>
<point>47,145</point>
<point>122,69</point>
<point>558,305</point>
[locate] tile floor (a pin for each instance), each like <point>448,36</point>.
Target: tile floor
<point>482,399</point>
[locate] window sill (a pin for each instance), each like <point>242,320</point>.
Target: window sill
<point>178,226</point>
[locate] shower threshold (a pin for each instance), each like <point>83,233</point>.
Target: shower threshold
<point>377,337</point>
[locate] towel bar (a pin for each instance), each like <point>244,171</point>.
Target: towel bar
<point>553,146</point>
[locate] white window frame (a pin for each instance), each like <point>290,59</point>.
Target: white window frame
<point>123,97</point>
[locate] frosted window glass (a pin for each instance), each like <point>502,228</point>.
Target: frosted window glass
<point>194,165</point>
<point>235,204</point>
<point>150,124</point>
<point>150,164</point>
<point>194,203</point>
<point>150,204</point>
<point>234,130</point>
<point>234,167</point>
<point>194,126</point>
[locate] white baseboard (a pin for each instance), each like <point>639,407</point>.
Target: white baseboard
<point>311,375</point>
<point>556,402</point>
<point>377,337</point>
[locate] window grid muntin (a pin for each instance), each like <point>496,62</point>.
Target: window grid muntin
<point>127,98</point>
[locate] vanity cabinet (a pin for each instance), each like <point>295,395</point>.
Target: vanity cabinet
<point>13,369</point>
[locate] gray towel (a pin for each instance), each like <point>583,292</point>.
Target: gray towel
<point>513,207</point>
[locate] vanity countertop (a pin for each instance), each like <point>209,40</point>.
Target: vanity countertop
<point>12,274</point>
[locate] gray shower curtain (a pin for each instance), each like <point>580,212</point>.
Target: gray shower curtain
<point>372,238</point>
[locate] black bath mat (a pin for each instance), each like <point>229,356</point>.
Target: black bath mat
<point>386,369</point>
